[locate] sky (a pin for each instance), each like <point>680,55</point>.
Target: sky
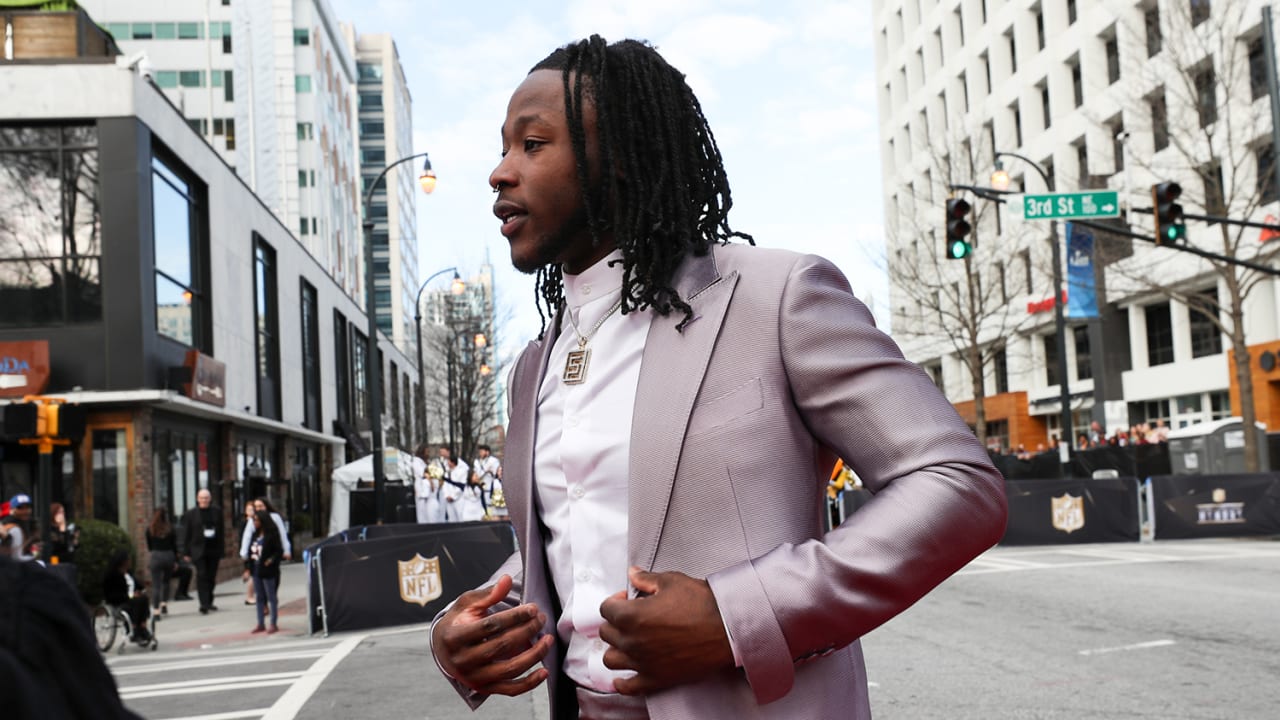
<point>788,89</point>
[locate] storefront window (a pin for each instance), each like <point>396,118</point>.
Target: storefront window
<point>180,467</point>
<point>111,476</point>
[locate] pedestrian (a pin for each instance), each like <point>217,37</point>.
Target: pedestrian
<point>462,498</point>
<point>262,504</point>
<point>488,469</point>
<point>202,545</point>
<point>245,530</point>
<point>120,588</point>
<point>263,566</point>
<point>162,543</point>
<point>14,540</point>
<point>64,537</point>
<point>17,524</point>
<point>671,432</point>
<point>428,492</point>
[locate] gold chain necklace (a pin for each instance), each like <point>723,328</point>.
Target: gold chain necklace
<point>575,366</point>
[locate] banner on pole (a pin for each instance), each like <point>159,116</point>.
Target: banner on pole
<point>1082,293</point>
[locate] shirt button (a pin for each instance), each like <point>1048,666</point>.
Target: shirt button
<point>579,491</point>
<point>586,289</point>
<point>584,576</point>
<point>571,422</point>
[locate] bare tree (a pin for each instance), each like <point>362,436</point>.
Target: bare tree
<point>1207,127</point>
<point>965,303</point>
<point>463,372</point>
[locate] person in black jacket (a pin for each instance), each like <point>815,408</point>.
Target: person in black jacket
<point>263,565</point>
<point>50,667</point>
<point>122,589</point>
<point>202,543</point>
<point>162,541</point>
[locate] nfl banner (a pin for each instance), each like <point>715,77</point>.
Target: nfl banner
<point>1082,293</point>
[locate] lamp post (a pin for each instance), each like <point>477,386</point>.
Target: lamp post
<point>457,288</point>
<point>998,178</point>
<point>373,360</point>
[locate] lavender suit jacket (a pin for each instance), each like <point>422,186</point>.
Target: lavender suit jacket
<point>737,423</point>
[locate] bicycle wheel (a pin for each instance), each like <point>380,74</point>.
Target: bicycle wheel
<point>104,627</point>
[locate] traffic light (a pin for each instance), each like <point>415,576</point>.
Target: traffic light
<point>1171,226</point>
<point>957,245</point>
<point>21,420</point>
<point>48,420</point>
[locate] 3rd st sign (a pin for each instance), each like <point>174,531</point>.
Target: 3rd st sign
<point>1071,206</point>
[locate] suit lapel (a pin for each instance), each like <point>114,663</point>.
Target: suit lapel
<point>671,373</point>
<point>521,439</point>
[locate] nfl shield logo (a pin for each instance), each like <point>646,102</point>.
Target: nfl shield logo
<point>1068,513</point>
<point>420,580</point>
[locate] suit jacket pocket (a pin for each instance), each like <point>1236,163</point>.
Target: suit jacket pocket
<point>743,400</point>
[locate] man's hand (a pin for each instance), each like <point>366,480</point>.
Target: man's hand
<point>671,634</point>
<point>490,653</point>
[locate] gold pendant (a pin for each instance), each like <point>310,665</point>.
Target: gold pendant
<point>575,366</point>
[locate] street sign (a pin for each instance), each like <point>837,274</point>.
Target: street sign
<point>1071,206</point>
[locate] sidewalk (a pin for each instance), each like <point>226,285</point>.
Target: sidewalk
<point>184,628</point>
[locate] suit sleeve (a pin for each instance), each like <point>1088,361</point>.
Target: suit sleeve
<point>512,567</point>
<point>937,500</point>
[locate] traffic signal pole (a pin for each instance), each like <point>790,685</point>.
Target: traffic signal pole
<point>47,437</point>
<point>1060,328</point>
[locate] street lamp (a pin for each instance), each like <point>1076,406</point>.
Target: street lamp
<point>373,360</point>
<point>1000,180</point>
<point>457,288</point>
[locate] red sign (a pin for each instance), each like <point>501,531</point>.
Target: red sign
<point>1268,233</point>
<point>1045,305</point>
<point>24,367</point>
<point>208,382</point>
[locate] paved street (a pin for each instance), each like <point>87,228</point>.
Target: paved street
<point>1178,629</point>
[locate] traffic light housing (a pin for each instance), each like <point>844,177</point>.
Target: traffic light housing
<point>44,420</point>
<point>958,246</point>
<point>1171,225</point>
<point>21,420</point>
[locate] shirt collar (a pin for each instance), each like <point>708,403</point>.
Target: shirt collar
<point>599,280</point>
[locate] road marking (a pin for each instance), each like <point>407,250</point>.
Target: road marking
<point>202,662</point>
<point>261,648</point>
<point>984,565</point>
<point>235,715</point>
<point>207,682</point>
<point>193,689</point>
<point>1125,648</point>
<point>297,695</point>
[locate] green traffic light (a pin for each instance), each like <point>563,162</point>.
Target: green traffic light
<point>959,249</point>
<point>1172,233</point>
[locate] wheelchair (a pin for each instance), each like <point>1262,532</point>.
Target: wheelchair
<point>110,621</point>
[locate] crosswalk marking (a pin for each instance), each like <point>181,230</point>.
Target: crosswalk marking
<point>197,684</point>
<point>234,715</point>
<point>189,689</point>
<point>203,662</point>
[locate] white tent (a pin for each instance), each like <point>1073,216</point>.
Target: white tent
<point>400,466</point>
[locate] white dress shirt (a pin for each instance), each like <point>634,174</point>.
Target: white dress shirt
<point>581,454</point>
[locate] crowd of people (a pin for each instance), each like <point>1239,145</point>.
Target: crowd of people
<point>450,490</point>
<point>1143,433</point>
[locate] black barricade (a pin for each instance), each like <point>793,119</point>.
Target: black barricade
<point>1129,461</point>
<point>1195,506</point>
<point>404,578</point>
<point>1045,512</point>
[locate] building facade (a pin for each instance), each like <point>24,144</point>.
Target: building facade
<point>386,135</point>
<point>1078,95</point>
<point>272,87</point>
<point>210,347</point>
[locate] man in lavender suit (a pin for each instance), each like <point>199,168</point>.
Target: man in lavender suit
<point>673,427</point>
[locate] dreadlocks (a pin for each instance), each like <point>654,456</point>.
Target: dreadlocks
<point>662,190</point>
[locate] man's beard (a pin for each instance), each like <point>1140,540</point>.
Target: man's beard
<point>550,248</point>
